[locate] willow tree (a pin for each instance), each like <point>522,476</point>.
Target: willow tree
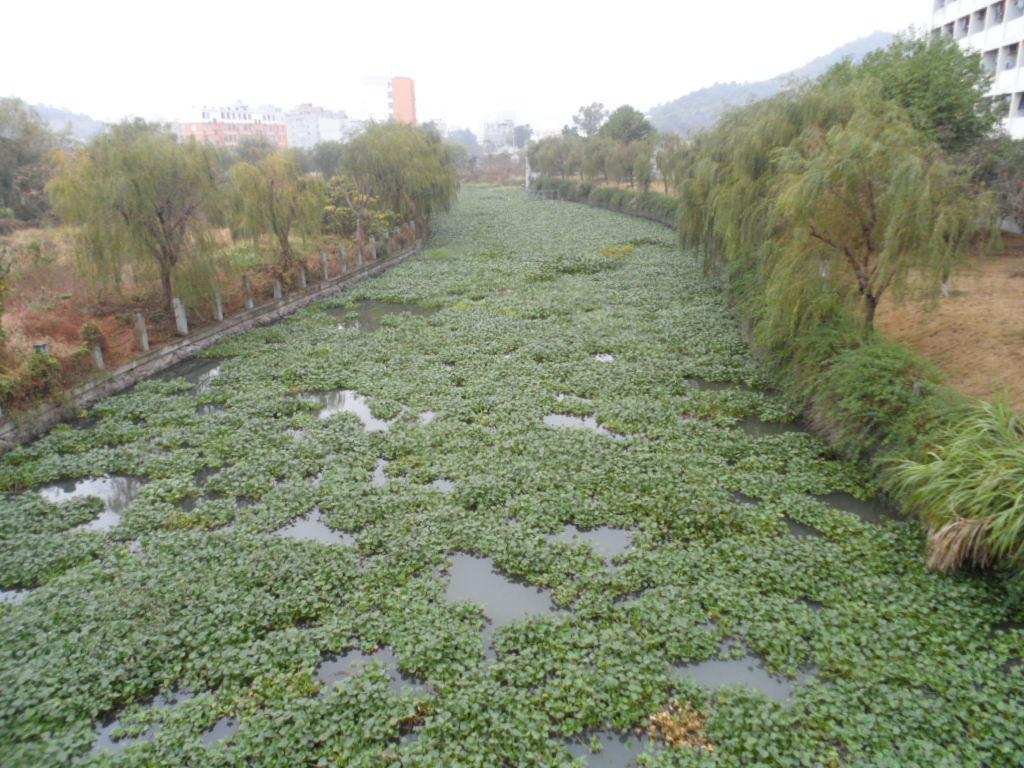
<point>274,197</point>
<point>871,201</point>
<point>409,169</point>
<point>140,198</point>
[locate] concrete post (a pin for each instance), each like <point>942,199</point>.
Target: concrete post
<point>141,332</point>
<point>247,287</point>
<point>359,257</point>
<point>97,358</point>
<point>180,318</point>
<point>278,291</point>
<point>302,277</point>
<point>218,306</point>
<point>325,269</point>
<point>373,249</point>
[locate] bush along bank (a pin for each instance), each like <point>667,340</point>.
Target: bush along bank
<point>817,205</point>
<point>653,206</point>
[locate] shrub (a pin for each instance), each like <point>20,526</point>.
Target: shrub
<point>969,490</point>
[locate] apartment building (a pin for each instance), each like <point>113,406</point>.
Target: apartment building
<point>402,100</point>
<point>996,30</point>
<point>309,125</point>
<point>229,126</point>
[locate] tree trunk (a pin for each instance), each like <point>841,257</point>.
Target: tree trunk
<point>870,307</point>
<point>167,286</point>
<point>286,250</point>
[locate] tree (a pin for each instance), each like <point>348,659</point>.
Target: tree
<point>588,120</point>
<point>943,88</point>
<point>627,124</point>
<point>643,167</point>
<point>669,157</point>
<point>521,136</point>
<point>275,197</point>
<point>139,196</point>
<point>466,138</point>
<point>326,158</point>
<point>26,147</point>
<point>998,164</point>
<point>411,171</point>
<point>619,162</point>
<point>596,152</point>
<point>874,199</point>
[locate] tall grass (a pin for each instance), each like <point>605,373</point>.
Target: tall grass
<point>969,490</point>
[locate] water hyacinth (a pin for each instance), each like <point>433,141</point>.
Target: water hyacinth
<point>199,587</point>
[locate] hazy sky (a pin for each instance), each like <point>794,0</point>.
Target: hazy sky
<point>539,60</point>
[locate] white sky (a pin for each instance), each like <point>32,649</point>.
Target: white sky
<point>539,60</point>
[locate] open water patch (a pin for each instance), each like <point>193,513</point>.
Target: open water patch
<point>801,531</point>
<point>564,421</point>
<point>14,596</point>
<point>608,542</point>
<point>114,491</point>
<point>223,729</point>
<point>605,358</point>
<point>335,669</point>
<point>427,417</point>
<point>379,479</point>
<point>313,528</point>
<point>199,372</point>
<point>347,401</point>
<point>749,671</point>
<point>474,579</point>
<point>758,428</point>
<point>105,741</point>
<point>609,749</point>
<point>875,512</point>
<point>444,485</point>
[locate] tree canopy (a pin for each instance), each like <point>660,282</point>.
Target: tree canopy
<point>408,169</point>
<point>626,124</point>
<point>140,197</point>
<point>26,147</point>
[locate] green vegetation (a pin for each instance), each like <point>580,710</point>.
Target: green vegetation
<point>899,666</point>
<point>274,197</point>
<point>140,198</point>
<point>26,149</point>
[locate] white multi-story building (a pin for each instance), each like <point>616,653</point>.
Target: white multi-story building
<point>996,31</point>
<point>309,126</point>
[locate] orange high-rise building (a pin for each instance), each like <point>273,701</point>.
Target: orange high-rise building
<point>402,98</point>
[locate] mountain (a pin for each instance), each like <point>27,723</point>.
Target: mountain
<point>701,109</point>
<point>81,127</point>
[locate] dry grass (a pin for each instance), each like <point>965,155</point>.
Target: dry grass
<point>680,725</point>
<point>977,335</point>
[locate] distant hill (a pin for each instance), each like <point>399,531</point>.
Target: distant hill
<point>81,127</point>
<point>702,109</point>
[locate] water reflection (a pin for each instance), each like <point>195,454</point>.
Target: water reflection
<point>370,314</point>
<point>614,750</point>
<point>749,671</point>
<point>347,401</point>
<point>313,528</point>
<point>609,543</point>
<point>199,371</point>
<point>115,492</point>
<point>562,421</point>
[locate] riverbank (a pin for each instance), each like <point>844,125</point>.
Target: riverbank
<point>547,500</point>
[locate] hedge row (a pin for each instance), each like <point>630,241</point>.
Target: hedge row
<point>651,205</point>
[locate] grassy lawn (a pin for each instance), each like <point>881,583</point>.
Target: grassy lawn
<point>560,509</point>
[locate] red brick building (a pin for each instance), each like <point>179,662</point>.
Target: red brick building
<point>229,126</point>
<point>402,98</point>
